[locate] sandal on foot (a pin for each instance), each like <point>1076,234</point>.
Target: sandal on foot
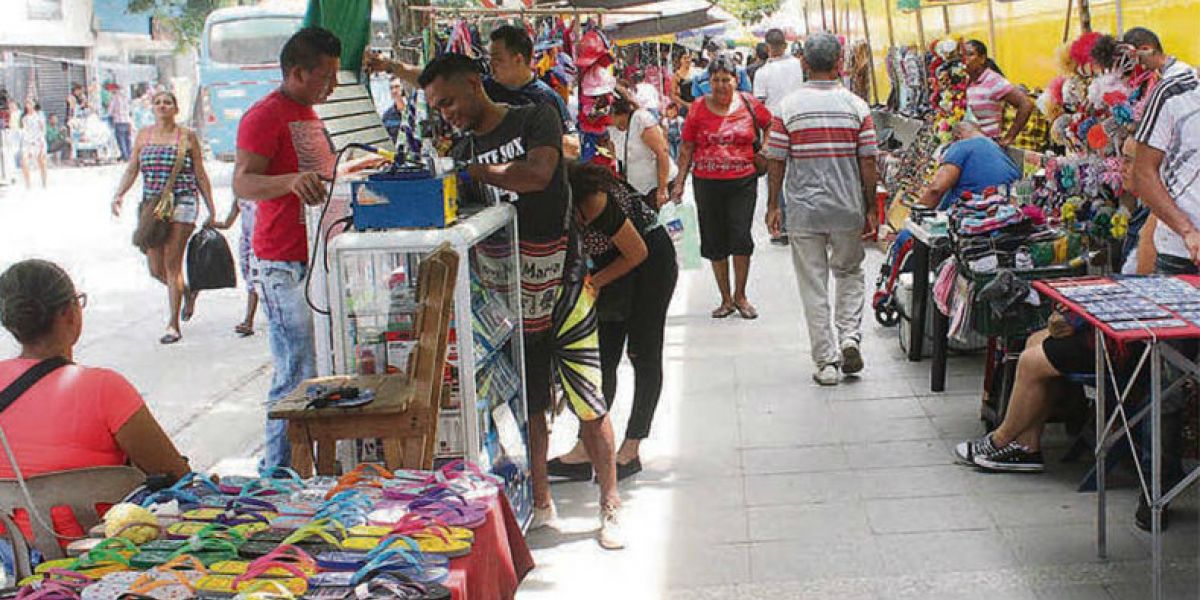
<point>747,311</point>
<point>723,311</point>
<point>170,338</point>
<point>243,330</point>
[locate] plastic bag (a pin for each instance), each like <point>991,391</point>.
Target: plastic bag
<point>684,228</point>
<point>209,262</point>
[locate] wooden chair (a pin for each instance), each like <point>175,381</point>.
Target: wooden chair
<point>404,414</point>
<point>79,489</point>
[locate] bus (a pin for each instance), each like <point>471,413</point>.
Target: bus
<point>238,65</point>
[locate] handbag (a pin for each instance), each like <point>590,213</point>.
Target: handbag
<point>760,161</point>
<point>154,216</point>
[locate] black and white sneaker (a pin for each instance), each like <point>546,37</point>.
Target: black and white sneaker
<point>1012,458</point>
<point>965,452</point>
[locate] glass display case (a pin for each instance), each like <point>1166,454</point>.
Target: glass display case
<point>372,295</point>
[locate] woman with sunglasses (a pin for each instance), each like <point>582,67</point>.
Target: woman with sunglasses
<point>108,422</point>
<point>154,155</point>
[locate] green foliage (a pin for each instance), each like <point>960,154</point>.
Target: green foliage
<point>750,12</point>
<point>184,19</point>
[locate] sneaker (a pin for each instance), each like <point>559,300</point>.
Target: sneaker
<point>852,361</point>
<point>966,452</point>
<point>828,375</point>
<point>1142,517</point>
<point>1013,458</point>
<point>609,536</point>
<point>544,517</point>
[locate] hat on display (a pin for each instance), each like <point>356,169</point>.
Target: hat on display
<point>598,81</point>
<point>592,50</point>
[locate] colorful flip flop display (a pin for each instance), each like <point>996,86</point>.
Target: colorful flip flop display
<point>371,533</point>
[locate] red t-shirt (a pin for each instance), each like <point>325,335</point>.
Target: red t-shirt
<point>294,139</point>
<point>69,420</point>
<point>724,144</point>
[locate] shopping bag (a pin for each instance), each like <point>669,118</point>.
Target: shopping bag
<point>684,229</point>
<point>209,262</point>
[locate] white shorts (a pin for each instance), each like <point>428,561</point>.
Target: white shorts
<point>186,210</point>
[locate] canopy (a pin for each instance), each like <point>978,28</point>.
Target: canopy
<point>677,16</point>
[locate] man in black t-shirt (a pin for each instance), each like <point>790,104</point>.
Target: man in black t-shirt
<point>516,156</point>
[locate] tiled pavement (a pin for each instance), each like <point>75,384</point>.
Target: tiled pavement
<point>759,484</point>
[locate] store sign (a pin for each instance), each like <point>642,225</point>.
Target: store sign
<point>45,10</point>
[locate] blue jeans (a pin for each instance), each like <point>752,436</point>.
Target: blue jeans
<point>122,132</point>
<point>293,350</point>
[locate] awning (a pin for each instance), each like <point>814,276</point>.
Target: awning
<point>610,4</point>
<point>677,16</point>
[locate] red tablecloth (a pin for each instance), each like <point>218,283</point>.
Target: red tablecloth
<point>1050,289</point>
<point>498,561</point>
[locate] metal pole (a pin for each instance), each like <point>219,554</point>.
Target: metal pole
<point>1156,467</point>
<point>862,8</point>
<point>946,19</point>
<point>1067,25</point>
<point>887,11</point>
<point>1101,448</point>
<point>807,28</point>
<point>824,22</point>
<point>921,31</point>
<point>1085,16</point>
<point>1120,19</point>
<point>833,7</point>
<point>992,27</point>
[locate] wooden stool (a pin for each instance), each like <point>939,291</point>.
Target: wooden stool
<point>404,413</point>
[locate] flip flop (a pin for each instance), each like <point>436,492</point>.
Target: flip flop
<point>747,312</point>
<point>723,311</point>
<point>243,330</point>
<point>170,338</point>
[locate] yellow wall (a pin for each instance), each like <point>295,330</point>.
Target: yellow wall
<point>1027,31</point>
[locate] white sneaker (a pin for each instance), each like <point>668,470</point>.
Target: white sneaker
<point>828,375</point>
<point>609,536</point>
<point>544,517</point>
<point>852,360</point>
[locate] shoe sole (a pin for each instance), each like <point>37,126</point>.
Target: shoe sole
<point>824,383</point>
<point>852,361</point>
<point>984,463</point>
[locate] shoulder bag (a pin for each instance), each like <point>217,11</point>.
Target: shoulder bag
<point>154,216</point>
<point>760,161</point>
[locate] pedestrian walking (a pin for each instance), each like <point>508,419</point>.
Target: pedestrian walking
<point>822,150</point>
<point>33,141</point>
<point>642,150</point>
<point>122,121</point>
<point>167,152</point>
<point>780,76</point>
<point>720,139</point>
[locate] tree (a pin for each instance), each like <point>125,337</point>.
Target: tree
<point>750,11</point>
<point>183,18</point>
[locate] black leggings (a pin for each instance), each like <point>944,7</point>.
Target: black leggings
<point>654,284</point>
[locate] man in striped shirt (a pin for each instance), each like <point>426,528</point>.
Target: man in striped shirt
<point>822,150</point>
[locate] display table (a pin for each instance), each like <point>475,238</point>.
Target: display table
<point>1156,352</point>
<point>928,249</point>
<point>498,562</point>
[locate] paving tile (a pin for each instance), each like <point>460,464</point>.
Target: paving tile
<point>872,385</point>
<point>777,433</point>
<point>858,410</point>
<point>862,430</point>
<point>885,455</point>
<point>950,405</point>
<point>1073,592</point>
<point>813,523</point>
<point>801,560</point>
<point>802,459</point>
<point>914,482</point>
<point>1070,544</point>
<point>920,515</point>
<point>800,488</point>
<point>1054,508</point>
<point>922,553</point>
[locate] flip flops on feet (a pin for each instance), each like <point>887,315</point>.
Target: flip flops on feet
<point>170,337</point>
<point>244,330</point>
<point>747,310</point>
<point>723,311</point>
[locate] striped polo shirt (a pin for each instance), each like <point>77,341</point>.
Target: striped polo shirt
<point>1171,124</point>
<point>821,130</point>
<point>985,99</point>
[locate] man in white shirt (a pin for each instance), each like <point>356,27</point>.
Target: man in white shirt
<point>781,76</point>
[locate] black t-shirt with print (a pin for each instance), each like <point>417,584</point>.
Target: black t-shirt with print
<point>540,215</point>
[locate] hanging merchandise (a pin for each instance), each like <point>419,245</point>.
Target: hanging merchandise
<point>948,83</point>
<point>597,84</point>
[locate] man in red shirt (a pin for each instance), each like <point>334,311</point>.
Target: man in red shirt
<point>283,156</point>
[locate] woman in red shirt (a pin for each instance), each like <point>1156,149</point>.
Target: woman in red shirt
<point>719,137</point>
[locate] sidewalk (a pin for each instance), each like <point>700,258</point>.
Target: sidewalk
<point>760,484</point>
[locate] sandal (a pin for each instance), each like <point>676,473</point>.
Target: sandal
<point>747,311</point>
<point>170,337</point>
<point>243,330</point>
<point>723,311</point>
<point>189,304</point>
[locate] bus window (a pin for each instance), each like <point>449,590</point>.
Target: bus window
<point>250,41</point>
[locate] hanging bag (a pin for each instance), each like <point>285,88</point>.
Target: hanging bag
<point>760,160</point>
<point>154,215</point>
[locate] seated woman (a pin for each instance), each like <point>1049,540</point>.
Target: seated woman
<point>75,417</point>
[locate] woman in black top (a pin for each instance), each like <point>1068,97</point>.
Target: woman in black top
<point>635,270</point>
